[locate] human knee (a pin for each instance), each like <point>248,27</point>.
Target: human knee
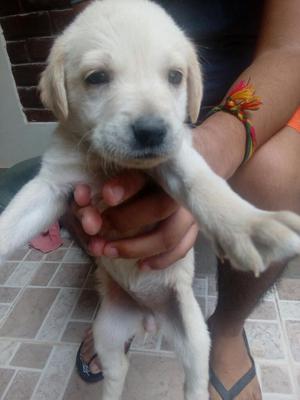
<point>267,180</point>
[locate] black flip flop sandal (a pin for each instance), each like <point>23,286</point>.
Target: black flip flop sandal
<point>83,367</point>
<point>240,385</point>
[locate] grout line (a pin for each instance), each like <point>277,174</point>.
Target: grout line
<point>9,385</point>
<point>13,354</point>
<point>48,313</point>
<point>68,319</point>
<point>43,372</point>
<point>285,341</point>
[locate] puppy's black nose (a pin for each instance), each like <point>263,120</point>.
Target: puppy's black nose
<point>149,131</point>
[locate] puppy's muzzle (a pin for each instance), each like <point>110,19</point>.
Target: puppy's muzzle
<point>149,132</point>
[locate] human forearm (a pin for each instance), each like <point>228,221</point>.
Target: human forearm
<point>274,73</point>
<point>275,76</point>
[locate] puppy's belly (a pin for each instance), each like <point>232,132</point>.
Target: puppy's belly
<point>151,290</point>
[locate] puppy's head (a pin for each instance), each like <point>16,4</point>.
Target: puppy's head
<point>126,77</point>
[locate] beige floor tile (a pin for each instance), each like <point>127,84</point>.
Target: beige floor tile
<point>211,303</point>
<point>200,287</point>
<point>166,345</point>
<point>265,340</point>
<point>54,379</point>
<point>273,396</point>
<point>275,379</point>
<point>79,390</point>
<point>289,289</point>
<point>266,310</point>
<point>55,321</point>
<point>28,314</point>
<point>212,285</point>
<point>4,308</point>
<point>34,255</point>
<point>290,309</point>
<point>22,386</point>
<point>7,350</point>
<point>23,274</point>
<point>6,270</point>
<point>202,303</point>
<point>205,259</point>
<point>91,282</point>
<point>74,331</point>
<point>297,374</point>
<point>31,355</point>
<point>293,270</point>
<point>75,254</point>
<point>86,305</point>
<point>70,275</point>
<point>147,341</point>
<point>56,255</point>
<point>8,294</point>
<point>5,377</point>
<point>153,378</point>
<point>293,332</point>
<point>18,254</point>
<point>44,273</point>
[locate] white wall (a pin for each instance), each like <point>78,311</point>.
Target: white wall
<point>19,140</point>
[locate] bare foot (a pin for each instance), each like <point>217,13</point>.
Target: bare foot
<point>230,361</point>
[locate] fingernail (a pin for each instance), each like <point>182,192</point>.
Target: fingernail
<point>118,193</point>
<point>111,252</point>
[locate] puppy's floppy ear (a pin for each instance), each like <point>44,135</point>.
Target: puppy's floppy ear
<point>195,85</point>
<point>52,83</point>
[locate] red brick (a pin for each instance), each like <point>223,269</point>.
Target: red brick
<point>26,25</point>
<point>17,52</point>
<point>61,19</point>
<point>37,5</point>
<point>28,74</point>
<point>30,97</point>
<point>9,7</point>
<point>38,48</point>
<point>39,115</point>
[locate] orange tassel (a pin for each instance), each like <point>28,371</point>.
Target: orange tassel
<point>242,97</point>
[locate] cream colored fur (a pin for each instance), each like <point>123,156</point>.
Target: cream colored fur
<point>138,44</point>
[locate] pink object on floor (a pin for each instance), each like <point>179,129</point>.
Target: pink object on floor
<point>49,240</point>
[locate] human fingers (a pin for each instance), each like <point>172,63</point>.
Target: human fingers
<point>142,211</point>
<point>168,258</point>
<point>123,186</point>
<point>166,236</point>
<point>82,195</point>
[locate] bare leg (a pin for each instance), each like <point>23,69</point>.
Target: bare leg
<point>271,181</point>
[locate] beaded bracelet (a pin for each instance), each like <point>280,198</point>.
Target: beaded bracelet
<point>241,99</point>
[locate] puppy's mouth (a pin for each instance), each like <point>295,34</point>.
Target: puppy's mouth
<point>144,159</point>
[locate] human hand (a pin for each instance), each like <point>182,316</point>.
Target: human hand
<point>134,205</point>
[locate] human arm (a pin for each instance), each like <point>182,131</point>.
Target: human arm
<point>274,73</point>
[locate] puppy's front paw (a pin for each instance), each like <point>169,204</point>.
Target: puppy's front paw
<point>261,239</point>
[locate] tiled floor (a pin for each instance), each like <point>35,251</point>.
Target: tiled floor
<point>47,302</point>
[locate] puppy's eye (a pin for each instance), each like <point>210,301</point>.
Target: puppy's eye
<point>175,77</point>
<point>98,78</point>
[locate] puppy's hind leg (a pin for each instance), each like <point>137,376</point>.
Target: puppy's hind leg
<point>186,328</point>
<point>118,320</point>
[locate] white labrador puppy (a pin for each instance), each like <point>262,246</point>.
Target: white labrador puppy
<point>121,80</point>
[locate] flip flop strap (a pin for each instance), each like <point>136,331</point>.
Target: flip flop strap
<point>240,384</point>
<point>236,388</point>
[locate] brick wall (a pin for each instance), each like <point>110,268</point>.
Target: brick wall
<point>30,27</point>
